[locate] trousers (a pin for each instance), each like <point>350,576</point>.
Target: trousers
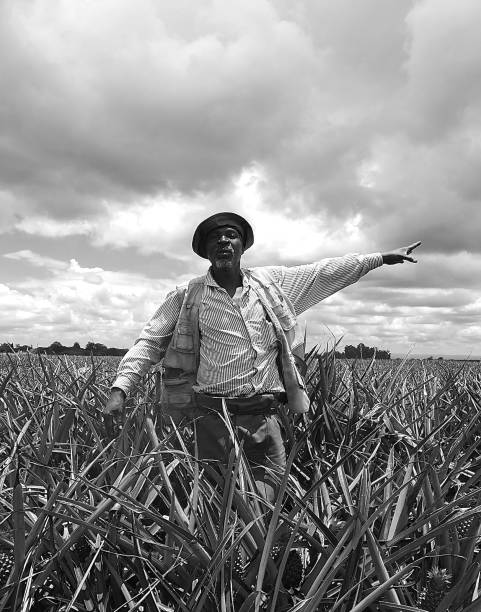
<point>260,432</point>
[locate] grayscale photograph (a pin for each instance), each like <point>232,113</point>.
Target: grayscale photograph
<point>240,306</point>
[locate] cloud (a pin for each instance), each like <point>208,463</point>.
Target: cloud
<point>151,226</point>
<point>132,123</point>
<point>440,271</point>
<point>424,192</point>
<point>143,102</point>
<point>435,308</point>
<point>443,66</point>
<point>74,303</point>
<point>78,303</point>
<point>53,228</point>
<point>397,326</point>
<point>166,224</point>
<point>160,108</point>
<point>35,259</point>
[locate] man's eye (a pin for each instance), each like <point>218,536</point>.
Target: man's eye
<point>232,235</point>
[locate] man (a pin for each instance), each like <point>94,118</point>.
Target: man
<point>229,340</point>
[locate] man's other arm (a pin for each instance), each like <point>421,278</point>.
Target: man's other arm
<point>149,348</point>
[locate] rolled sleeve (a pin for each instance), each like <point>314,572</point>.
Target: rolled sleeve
<point>123,383</point>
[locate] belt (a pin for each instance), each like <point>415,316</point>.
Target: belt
<point>255,404</point>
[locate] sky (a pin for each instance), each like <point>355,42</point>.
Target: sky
<point>333,127</point>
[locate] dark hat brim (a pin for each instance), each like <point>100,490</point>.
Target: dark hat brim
<point>222,219</point>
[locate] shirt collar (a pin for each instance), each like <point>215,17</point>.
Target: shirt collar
<point>209,279</point>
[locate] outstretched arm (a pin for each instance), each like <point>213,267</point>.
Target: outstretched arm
<point>399,256</point>
<point>307,285</point>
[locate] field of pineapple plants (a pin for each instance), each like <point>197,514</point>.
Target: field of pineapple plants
<point>379,508</point>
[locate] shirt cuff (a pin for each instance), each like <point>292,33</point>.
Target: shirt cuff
<point>123,383</point>
<point>373,260</point>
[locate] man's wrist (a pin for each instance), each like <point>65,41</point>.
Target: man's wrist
<point>118,391</point>
<point>374,260</point>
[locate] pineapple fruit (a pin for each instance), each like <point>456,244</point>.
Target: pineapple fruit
<point>437,585</point>
<point>6,564</point>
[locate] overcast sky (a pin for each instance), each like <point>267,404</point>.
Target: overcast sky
<point>334,127</point>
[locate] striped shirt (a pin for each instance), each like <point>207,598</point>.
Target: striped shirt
<point>238,347</point>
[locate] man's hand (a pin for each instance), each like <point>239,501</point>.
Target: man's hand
<point>399,256</point>
<point>115,401</point>
<point>113,412</point>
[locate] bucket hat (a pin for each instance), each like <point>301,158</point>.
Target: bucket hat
<point>221,219</point>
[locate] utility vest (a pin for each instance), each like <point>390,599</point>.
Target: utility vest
<point>182,356</point>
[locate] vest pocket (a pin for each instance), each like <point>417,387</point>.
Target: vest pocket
<point>284,315</point>
<point>184,340</point>
<point>178,396</point>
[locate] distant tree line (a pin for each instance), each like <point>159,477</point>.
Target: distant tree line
<point>57,348</point>
<point>361,351</point>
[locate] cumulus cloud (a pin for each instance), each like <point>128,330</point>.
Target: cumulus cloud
<point>166,224</point>
<point>406,325</point>
<point>439,272</point>
<point>143,102</point>
<point>443,66</point>
<point>73,300</point>
<point>440,314</point>
<point>162,103</point>
<point>132,122</point>
<point>35,259</point>
<point>76,303</point>
<point>53,228</point>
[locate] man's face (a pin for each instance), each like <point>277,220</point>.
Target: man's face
<point>224,247</point>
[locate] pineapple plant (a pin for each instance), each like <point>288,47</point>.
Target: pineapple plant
<point>163,545</point>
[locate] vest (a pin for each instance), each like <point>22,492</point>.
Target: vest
<point>181,360</point>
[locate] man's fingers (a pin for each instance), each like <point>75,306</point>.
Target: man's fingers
<point>413,246</point>
<point>409,249</point>
<point>113,423</point>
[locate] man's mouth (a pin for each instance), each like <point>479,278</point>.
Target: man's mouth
<point>224,252</point>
